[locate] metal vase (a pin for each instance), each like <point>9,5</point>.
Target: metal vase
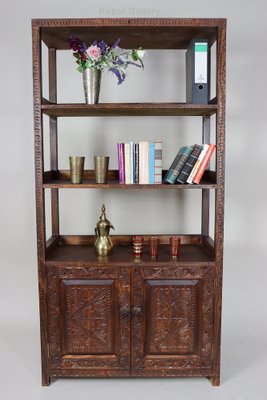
<point>91,84</point>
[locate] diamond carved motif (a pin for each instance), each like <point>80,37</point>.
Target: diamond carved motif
<point>88,316</point>
<point>172,316</point>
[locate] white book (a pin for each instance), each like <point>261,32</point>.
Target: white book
<point>131,162</point>
<point>127,165</point>
<point>143,162</point>
<point>197,164</point>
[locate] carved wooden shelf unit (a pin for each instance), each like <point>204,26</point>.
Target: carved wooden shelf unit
<point>115,316</point>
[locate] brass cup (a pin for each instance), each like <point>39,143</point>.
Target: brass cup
<point>76,169</point>
<point>101,168</point>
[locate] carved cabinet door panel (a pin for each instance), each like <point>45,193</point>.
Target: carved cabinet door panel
<point>172,314</point>
<point>88,317</point>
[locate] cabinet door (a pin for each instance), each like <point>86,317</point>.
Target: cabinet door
<point>88,318</point>
<point>172,320</point>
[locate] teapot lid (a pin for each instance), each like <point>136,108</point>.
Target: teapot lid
<point>103,221</point>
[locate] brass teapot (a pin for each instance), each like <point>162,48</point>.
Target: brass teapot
<point>103,243</point>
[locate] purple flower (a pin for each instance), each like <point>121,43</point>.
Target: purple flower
<point>76,44</point>
<point>103,47</point>
<point>118,61</point>
<point>118,75</point>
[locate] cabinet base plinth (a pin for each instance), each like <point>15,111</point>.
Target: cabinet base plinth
<point>129,373</point>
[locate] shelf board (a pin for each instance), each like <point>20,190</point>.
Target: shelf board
<point>88,184</point>
<point>61,180</point>
<point>68,250</point>
<point>127,109</point>
<point>152,33</point>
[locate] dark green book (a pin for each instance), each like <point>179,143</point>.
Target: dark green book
<point>177,164</point>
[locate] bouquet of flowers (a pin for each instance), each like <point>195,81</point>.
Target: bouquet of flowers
<point>101,56</point>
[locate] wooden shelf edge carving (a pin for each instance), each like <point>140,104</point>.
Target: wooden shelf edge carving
<point>61,179</point>
<point>127,109</point>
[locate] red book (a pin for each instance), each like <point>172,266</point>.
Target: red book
<point>203,164</point>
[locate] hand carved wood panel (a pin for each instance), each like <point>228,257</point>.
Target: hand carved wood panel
<point>171,313</point>
<point>88,308</point>
<point>86,325</point>
<point>174,329</point>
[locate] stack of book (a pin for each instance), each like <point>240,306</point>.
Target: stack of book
<point>189,164</point>
<point>140,162</point>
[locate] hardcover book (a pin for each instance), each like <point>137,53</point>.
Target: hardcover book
<point>143,162</point>
<point>121,163</point>
<point>127,163</point>
<point>136,163</point>
<point>177,164</point>
<point>151,163</point>
<point>131,162</point>
<point>197,164</point>
<point>204,164</point>
<point>158,162</point>
<point>187,168</point>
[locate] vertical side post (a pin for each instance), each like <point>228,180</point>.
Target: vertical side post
<point>205,192</point>
<point>219,199</point>
<point>52,65</point>
<point>39,191</point>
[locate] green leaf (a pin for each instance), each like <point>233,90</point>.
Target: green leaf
<point>135,55</point>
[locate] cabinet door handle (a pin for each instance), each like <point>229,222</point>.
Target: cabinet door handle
<point>137,310</point>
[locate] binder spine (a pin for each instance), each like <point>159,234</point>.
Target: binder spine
<point>197,72</point>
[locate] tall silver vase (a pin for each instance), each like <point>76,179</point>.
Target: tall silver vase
<point>91,84</point>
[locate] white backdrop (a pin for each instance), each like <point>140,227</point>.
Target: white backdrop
<point>244,317</point>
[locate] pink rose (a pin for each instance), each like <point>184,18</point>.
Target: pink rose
<point>94,53</point>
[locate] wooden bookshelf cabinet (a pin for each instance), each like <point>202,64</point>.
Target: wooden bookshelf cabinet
<point>116,316</point>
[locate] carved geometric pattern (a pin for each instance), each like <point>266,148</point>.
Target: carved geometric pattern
<point>193,326</point>
<point>129,373</point>
<point>77,295</point>
<point>171,317</point>
<point>87,314</point>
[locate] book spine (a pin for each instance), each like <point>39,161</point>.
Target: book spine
<point>197,164</point>
<point>143,163</point>
<point>136,163</point>
<point>131,162</point>
<point>185,155</point>
<point>187,168</point>
<point>127,163</point>
<point>169,177</point>
<point>121,163</point>
<point>204,164</point>
<point>151,163</point>
<point>158,162</point>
